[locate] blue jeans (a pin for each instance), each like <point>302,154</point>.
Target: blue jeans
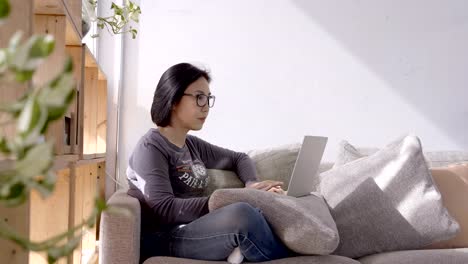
<point>215,235</point>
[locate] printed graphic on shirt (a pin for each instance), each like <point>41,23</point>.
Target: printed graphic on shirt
<point>193,174</point>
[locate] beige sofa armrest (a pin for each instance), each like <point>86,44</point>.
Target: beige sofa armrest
<point>119,233</point>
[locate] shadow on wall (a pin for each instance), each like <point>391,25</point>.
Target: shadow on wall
<point>417,47</point>
<point>135,120</point>
<point>132,138</point>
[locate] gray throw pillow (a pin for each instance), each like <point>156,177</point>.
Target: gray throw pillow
<point>270,164</point>
<point>221,179</point>
<point>386,201</point>
<point>275,163</point>
<point>303,224</point>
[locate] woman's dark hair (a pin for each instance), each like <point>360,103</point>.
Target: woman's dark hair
<point>171,88</point>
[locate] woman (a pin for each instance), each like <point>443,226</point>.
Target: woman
<point>167,173</point>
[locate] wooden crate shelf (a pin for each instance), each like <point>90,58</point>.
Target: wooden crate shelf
<point>68,8</point>
<point>80,137</point>
<point>42,225</point>
<point>49,7</point>
<point>94,98</point>
<point>84,191</point>
<point>58,18</point>
<point>61,131</point>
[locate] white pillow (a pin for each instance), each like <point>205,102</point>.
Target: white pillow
<point>386,201</point>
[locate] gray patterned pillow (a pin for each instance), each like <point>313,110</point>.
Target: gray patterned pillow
<point>303,224</point>
<point>386,201</point>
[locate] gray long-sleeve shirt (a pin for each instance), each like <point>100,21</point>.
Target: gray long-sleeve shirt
<point>169,181</point>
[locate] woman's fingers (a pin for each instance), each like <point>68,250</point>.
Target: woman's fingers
<point>272,184</point>
<point>269,186</point>
<point>277,190</point>
<point>265,185</point>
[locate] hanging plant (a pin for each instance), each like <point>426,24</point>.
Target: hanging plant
<point>115,24</point>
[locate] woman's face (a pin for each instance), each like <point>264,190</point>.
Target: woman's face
<point>187,113</point>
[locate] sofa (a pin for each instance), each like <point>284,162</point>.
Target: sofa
<point>120,233</point>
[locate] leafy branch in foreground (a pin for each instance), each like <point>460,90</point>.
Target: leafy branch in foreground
<point>27,158</point>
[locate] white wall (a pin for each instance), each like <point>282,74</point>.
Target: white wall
<point>367,71</point>
<point>109,53</point>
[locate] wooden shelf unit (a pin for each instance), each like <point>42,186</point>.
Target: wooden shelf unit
<point>80,137</point>
<point>94,99</point>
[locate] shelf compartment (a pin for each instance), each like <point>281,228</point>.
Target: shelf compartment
<point>93,100</point>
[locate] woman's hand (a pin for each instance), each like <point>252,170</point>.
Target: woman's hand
<point>277,190</point>
<point>265,185</point>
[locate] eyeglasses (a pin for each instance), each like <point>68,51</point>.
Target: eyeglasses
<point>203,99</point>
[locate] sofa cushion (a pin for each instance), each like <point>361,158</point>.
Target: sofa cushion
<point>348,152</point>
<point>434,256</point>
<point>444,158</point>
<point>330,259</point>
<point>303,224</point>
<point>386,202</point>
<point>451,180</point>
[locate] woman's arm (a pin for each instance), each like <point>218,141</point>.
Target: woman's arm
<point>151,170</point>
<point>215,157</point>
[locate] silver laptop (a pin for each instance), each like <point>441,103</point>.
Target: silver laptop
<point>307,166</point>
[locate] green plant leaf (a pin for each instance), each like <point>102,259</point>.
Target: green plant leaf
<point>58,95</point>
<point>37,48</point>
<point>23,59</point>
<point>31,120</point>
<point>4,146</point>
<point>3,60</point>
<point>42,46</point>
<point>45,185</point>
<point>24,76</point>
<point>55,253</point>
<point>68,68</point>
<point>15,41</point>
<point>36,162</point>
<point>15,108</point>
<point>4,9</point>
<point>101,204</point>
<point>93,3</point>
<point>30,116</point>
<point>134,11</point>
<point>16,195</point>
